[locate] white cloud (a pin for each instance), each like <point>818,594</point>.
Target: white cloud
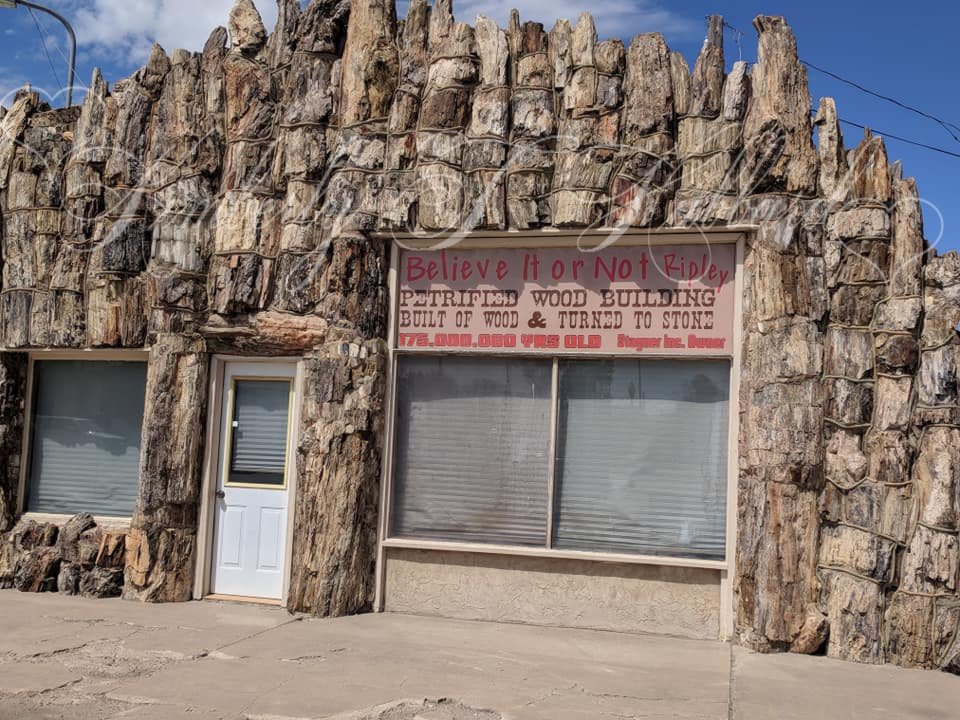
<point>126,29</point>
<point>613,18</point>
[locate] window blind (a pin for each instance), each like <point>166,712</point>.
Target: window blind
<point>85,447</point>
<point>472,446</point>
<point>261,409</point>
<point>642,457</point>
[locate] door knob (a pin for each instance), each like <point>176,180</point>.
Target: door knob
<point>221,494</point>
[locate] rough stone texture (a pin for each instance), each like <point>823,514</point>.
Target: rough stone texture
<point>370,62</point>
<point>777,130</point>
<point>76,557</point>
<point>161,544</point>
<point>340,440</point>
<point>21,547</point>
<point>13,377</point>
<point>226,201</point>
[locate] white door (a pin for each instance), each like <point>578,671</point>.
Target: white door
<point>253,476</point>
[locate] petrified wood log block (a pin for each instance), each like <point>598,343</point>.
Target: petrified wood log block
<point>13,375</point>
<point>161,545</point>
<point>338,461</point>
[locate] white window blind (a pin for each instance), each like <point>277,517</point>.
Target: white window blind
<point>642,457</point>
<point>85,447</point>
<point>261,409</point>
<point>472,449</point>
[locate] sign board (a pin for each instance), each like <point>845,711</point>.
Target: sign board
<point>660,300</point>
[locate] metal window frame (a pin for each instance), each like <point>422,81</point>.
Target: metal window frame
<point>556,238</point>
<point>26,444</point>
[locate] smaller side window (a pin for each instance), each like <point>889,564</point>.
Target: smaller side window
<point>258,432</point>
<point>85,437</point>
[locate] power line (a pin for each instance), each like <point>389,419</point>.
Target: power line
<point>738,36</point>
<point>946,125</point>
<point>43,41</point>
<point>60,52</point>
<point>891,136</point>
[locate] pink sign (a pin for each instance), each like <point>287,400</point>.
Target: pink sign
<point>663,300</point>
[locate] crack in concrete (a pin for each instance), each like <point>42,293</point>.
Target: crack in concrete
<point>731,681</point>
<point>305,659</point>
<point>258,633</point>
<point>639,698</point>
<point>243,710</point>
<point>41,692</point>
<point>53,653</point>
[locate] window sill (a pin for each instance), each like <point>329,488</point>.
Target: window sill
<point>621,558</point>
<point>107,523</point>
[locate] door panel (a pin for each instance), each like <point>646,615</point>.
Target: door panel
<point>271,539</point>
<point>233,521</point>
<point>250,520</point>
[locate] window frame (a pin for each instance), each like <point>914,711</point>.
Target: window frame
<point>141,355</point>
<point>566,238</point>
<point>551,460</point>
<point>548,549</point>
<point>228,441</point>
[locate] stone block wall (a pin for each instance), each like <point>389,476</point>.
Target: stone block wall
<point>75,558</point>
<point>235,201</point>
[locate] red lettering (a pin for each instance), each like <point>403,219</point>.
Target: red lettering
<point>669,267</point>
<point>577,267</point>
<point>601,266</point>
<point>415,269</point>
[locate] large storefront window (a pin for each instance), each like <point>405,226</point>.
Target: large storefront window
<point>642,457</point>
<point>641,453</point>
<point>473,438</point>
<point>565,398</point>
<point>85,441</point>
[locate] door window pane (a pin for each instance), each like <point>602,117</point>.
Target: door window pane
<point>472,446</point>
<point>642,457</point>
<point>258,436</point>
<point>85,447</point>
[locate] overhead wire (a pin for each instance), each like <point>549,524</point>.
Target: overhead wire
<point>945,124</point>
<point>61,53</point>
<point>46,51</point>
<point>901,139</point>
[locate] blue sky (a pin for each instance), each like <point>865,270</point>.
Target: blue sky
<point>906,51</point>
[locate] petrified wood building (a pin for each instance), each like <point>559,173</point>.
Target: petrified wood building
<point>251,202</point>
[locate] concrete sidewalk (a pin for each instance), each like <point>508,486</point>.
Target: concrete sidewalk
<point>81,659</point>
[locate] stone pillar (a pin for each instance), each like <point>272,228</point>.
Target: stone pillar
<point>161,546</point>
<point>781,451</point>
<point>781,396</point>
<point>13,389</point>
<point>338,478</point>
<point>533,125</point>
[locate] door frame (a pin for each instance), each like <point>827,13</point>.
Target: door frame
<point>211,461</point>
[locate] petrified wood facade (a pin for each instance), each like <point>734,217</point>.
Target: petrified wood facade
<point>228,201</point>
